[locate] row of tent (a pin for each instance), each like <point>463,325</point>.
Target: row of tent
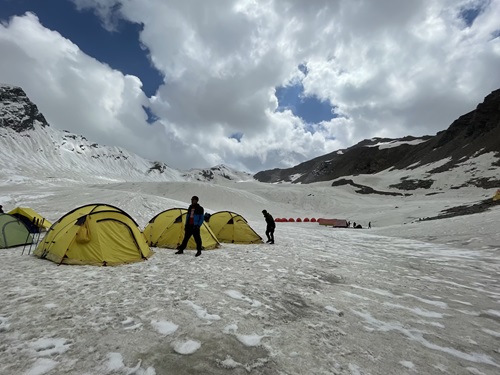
<point>297,220</point>
<point>101,234</point>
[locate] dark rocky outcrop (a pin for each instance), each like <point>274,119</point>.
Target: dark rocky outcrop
<point>470,209</point>
<point>408,184</point>
<point>363,189</point>
<point>157,166</point>
<point>17,111</point>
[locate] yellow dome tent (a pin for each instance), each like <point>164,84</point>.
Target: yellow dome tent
<point>496,197</point>
<point>231,227</point>
<point>167,230</point>
<point>33,220</point>
<point>13,232</point>
<point>95,234</point>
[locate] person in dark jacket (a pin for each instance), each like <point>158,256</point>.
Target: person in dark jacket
<point>271,225</point>
<point>194,220</point>
<point>1,209</point>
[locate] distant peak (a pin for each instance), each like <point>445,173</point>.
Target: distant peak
<point>17,111</point>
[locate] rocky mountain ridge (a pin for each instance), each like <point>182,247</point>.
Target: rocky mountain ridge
<point>471,135</point>
<point>17,111</point>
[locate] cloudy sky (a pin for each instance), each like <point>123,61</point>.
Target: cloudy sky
<point>254,84</point>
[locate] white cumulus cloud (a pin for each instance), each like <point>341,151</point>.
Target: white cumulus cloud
<point>389,68</point>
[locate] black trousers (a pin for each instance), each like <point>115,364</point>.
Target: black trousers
<point>191,230</point>
<point>270,233</point>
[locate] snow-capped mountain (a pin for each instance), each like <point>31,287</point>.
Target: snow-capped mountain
<point>473,140</point>
<point>463,159</point>
<point>30,147</point>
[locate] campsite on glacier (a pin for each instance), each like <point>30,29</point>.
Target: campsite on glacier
<point>417,293</point>
<point>404,297</point>
<point>368,112</point>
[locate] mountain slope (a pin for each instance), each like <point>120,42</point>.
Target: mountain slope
<point>473,134</point>
<point>31,148</point>
<point>465,155</point>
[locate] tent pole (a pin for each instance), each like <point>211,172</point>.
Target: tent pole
<point>27,238</point>
<point>36,237</point>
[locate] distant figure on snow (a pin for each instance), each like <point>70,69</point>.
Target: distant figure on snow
<point>369,224</point>
<point>354,225</point>
<point>194,220</point>
<point>271,225</point>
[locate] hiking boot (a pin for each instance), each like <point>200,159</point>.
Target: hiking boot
<point>198,253</point>
<point>268,241</point>
<point>180,252</point>
<point>271,242</point>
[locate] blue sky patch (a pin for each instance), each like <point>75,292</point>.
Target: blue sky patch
<point>121,49</point>
<point>469,14</point>
<point>151,116</point>
<point>236,136</point>
<point>309,108</point>
<point>303,69</point>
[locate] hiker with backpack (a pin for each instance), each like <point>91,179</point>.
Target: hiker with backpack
<point>194,220</point>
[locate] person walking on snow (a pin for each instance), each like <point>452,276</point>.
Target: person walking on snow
<point>271,225</point>
<point>194,220</point>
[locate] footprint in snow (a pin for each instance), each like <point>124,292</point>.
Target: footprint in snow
<point>129,324</point>
<point>201,312</point>
<point>247,340</point>
<point>50,346</point>
<point>237,295</point>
